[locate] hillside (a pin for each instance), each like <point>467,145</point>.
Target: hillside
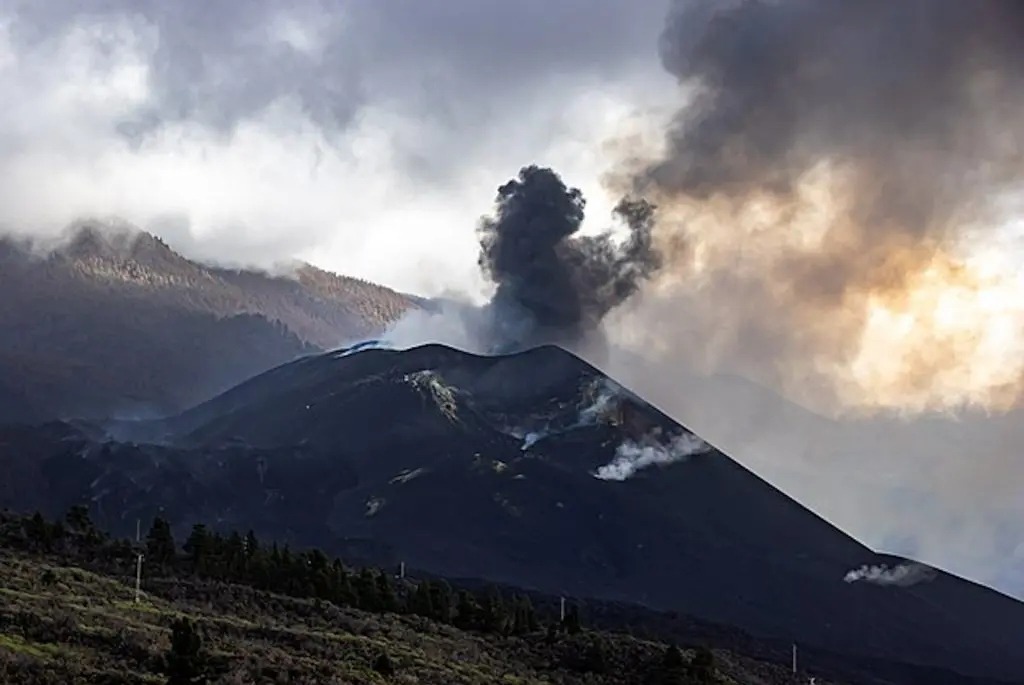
<point>271,614</point>
<point>115,322</point>
<point>532,470</point>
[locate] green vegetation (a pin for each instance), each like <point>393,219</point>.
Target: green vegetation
<point>233,609</point>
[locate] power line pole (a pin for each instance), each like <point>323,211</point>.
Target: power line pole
<point>561,610</point>
<point>138,560</point>
<point>794,658</point>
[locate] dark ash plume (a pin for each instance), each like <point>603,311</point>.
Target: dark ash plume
<point>553,285</point>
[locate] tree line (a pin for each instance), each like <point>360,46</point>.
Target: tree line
<point>311,574</point>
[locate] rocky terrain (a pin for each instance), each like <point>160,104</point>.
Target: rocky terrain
<point>533,470</point>
<point>113,321</point>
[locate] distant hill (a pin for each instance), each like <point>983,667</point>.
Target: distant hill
<point>487,467</point>
<point>115,322</point>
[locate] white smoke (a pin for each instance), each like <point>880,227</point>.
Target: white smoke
<point>631,456</point>
<point>609,393</point>
<point>453,322</point>
<point>903,575</point>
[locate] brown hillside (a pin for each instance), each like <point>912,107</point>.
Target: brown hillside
<point>115,321</point>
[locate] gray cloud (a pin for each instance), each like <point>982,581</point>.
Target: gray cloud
<point>409,96</point>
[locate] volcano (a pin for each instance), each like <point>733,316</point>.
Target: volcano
<point>531,469</point>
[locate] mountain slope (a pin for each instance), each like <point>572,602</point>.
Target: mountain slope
<point>486,467</point>
<point>66,594</point>
<point>114,321</point>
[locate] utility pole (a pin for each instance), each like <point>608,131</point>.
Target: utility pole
<point>561,610</point>
<point>794,658</point>
<point>401,570</point>
<point>138,560</point>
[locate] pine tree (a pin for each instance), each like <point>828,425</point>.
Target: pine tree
<point>160,546</point>
<point>673,659</point>
<point>702,666</point>
<point>197,547</point>
<point>441,601</point>
<point>387,598</point>
<point>572,623</point>
<point>382,664</point>
<point>673,668</point>
<point>185,662</point>
<point>252,546</point>
<point>421,602</point>
<point>78,519</point>
<point>235,561</point>
<point>467,611</point>
<point>37,530</point>
<point>524,619</point>
<point>492,612</point>
<point>342,590</point>
<point>596,660</point>
<point>366,589</point>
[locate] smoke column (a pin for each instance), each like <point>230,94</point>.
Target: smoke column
<point>554,285</point>
<point>834,197</point>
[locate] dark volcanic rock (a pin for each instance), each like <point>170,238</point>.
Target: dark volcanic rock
<point>431,456</point>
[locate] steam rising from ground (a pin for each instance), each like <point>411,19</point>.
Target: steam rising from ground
<point>631,456</point>
<point>605,398</point>
<point>903,575</point>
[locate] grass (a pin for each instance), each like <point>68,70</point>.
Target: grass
<point>62,624</point>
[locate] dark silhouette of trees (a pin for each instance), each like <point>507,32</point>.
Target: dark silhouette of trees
<point>383,665</point>
<point>78,518</point>
<point>673,669</point>
<point>185,661</point>
<point>198,548</point>
<point>467,611</point>
<point>572,623</point>
<point>702,666</point>
<point>160,547</point>
<point>311,574</point>
<point>239,559</point>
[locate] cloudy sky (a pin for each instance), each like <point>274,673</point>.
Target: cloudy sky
<point>367,136</point>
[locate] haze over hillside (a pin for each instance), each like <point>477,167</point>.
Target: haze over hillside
<point>113,321</point>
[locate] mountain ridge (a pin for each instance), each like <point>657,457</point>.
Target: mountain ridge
<point>109,296</point>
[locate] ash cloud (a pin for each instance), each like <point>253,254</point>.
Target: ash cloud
<point>839,173</point>
<point>554,284</point>
<point>838,216</point>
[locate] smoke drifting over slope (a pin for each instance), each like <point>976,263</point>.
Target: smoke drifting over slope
<point>554,285</point>
<point>831,193</point>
